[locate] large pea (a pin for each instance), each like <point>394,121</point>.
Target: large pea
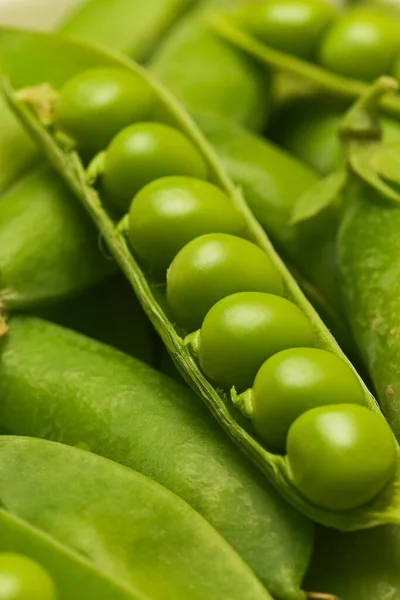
<point>362,44</point>
<point>143,152</point>
<point>22,578</point>
<point>342,456</point>
<point>241,331</point>
<point>171,211</point>
<point>211,267</point>
<point>292,26</point>
<point>94,105</point>
<point>294,381</point>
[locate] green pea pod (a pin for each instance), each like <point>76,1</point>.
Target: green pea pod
<point>132,27</point>
<point>208,75</point>
<point>339,86</point>
<point>142,537</point>
<point>109,313</point>
<point>385,507</point>
<point>362,565</point>
<point>58,385</point>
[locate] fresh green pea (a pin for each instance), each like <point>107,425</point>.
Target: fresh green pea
<point>22,578</point>
<point>294,381</point>
<point>170,212</point>
<point>292,26</point>
<point>241,331</point>
<point>213,266</point>
<point>94,105</point>
<point>362,45</point>
<point>143,152</point>
<point>342,456</point>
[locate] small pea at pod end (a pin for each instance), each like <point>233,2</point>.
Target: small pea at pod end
<point>22,578</point>
<point>340,457</point>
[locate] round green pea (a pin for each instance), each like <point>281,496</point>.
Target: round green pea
<point>211,267</point>
<point>342,456</point>
<point>242,330</point>
<point>143,152</point>
<point>171,211</point>
<point>94,105</point>
<point>361,45</point>
<point>22,578</point>
<point>292,26</point>
<point>294,381</point>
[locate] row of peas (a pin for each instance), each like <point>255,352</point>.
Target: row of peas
<point>226,293</point>
<point>362,43</point>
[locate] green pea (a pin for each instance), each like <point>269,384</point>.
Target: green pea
<point>146,151</point>
<point>94,105</point>
<point>170,212</point>
<point>292,26</point>
<point>362,45</point>
<point>21,578</point>
<point>341,456</point>
<point>294,381</point>
<point>241,331</point>
<point>211,267</point>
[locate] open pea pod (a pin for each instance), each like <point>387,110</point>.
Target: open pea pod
<point>385,506</point>
<point>317,77</point>
<point>61,386</point>
<point>139,536</point>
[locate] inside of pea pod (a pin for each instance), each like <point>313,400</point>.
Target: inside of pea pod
<point>228,310</point>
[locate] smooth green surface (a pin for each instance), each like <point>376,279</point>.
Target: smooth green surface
<point>171,211</point>
<point>96,104</point>
<point>242,330</point>
<point>362,44</point>
<point>293,26</point>
<point>143,152</point>
<point>110,313</point>
<point>22,578</point>
<point>62,386</point>
<point>211,267</point>
<point>294,381</point>
<point>210,76</point>
<point>341,456</point>
<point>132,27</point>
<point>357,566</point>
<point>138,533</point>
<point>48,247</point>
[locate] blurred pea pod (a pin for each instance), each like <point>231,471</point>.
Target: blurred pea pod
<point>58,385</point>
<point>129,26</point>
<point>137,541</point>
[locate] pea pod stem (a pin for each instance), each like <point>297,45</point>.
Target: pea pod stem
<point>383,509</point>
<point>343,87</point>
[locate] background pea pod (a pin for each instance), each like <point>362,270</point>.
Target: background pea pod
<point>139,535</point>
<point>62,386</point>
<point>208,75</point>
<point>383,508</point>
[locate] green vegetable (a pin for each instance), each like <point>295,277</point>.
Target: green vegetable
<point>48,248</point>
<point>21,578</point>
<point>94,105</point>
<point>171,211</point>
<point>241,331</point>
<point>293,26</point>
<point>143,152</point>
<point>383,508</point>
<point>211,267</point>
<point>362,44</point>
<point>59,385</point>
<point>341,456</point>
<point>209,76</point>
<point>294,381</point>
<point>139,536</point>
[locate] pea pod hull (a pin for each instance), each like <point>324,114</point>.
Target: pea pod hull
<point>61,386</point>
<point>139,536</point>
